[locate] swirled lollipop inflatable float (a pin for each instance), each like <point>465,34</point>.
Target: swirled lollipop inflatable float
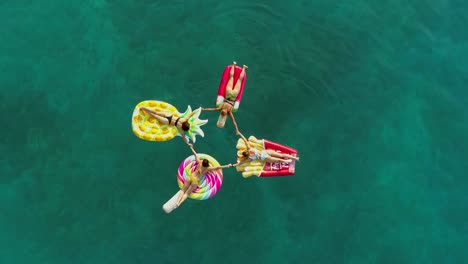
<point>209,185</point>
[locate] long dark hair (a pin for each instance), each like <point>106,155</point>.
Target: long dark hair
<point>185,126</point>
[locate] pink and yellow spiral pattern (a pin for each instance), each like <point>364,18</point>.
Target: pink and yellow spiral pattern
<point>210,183</point>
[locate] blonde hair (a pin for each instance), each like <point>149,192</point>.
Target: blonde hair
<point>223,112</point>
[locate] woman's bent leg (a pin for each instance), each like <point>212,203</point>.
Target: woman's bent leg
<point>280,155</point>
<point>184,190</point>
<point>231,77</point>
<point>274,159</point>
<point>187,193</point>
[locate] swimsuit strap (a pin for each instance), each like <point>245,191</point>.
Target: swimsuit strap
<point>256,155</point>
<point>177,120</point>
<point>229,102</point>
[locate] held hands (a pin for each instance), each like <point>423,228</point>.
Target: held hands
<point>227,166</point>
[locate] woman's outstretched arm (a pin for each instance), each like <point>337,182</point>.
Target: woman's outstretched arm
<point>182,134</point>
<point>242,162</point>
<point>220,167</point>
<point>194,152</point>
<point>190,115</point>
<point>211,109</point>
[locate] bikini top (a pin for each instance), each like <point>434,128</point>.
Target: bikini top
<point>256,156</point>
<point>177,120</point>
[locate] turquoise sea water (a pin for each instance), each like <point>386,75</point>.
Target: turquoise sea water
<point>372,94</point>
